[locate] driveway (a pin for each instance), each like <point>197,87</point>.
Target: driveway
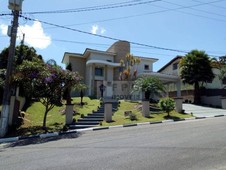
<point>203,111</point>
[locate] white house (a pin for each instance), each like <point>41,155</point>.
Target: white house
<point>211,92</point>
<point>104,67</point>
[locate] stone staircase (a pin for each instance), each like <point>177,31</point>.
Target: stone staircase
<point>92,119</point>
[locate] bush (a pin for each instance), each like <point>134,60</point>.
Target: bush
<point>132,116</point>
<point>167,105</point>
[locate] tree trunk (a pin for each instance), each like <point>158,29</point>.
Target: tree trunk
<point>44,120</point>
<point>81,95</point>
<point>147,95</point>
<point>197,99</point>
<point>68,96</point>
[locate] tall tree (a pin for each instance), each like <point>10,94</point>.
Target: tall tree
<point>45,82</point>
<point>195,69</point>
<point>129,67</point>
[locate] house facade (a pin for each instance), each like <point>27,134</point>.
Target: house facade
<point>101,70</point>
<point>211,92</point>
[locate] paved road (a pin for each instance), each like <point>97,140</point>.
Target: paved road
<point>189,145</point>
<point>203,111</point>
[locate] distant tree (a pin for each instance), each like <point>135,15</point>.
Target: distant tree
<point>23,51</point>
<point>80,88</point>
<point>149,85</point>
<point>196,68</point>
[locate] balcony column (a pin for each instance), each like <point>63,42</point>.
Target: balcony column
<point>93,80</point>
<point>105,72</point>
<point>178,84</point>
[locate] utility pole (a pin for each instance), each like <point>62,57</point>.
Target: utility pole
<point>15,6</point>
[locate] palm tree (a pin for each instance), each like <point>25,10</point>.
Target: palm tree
<point>149,85</point>
<point>196,68</point>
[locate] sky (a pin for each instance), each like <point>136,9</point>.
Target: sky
<point>159,29</point>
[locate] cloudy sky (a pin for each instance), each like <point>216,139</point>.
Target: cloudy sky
<point>165,28</point>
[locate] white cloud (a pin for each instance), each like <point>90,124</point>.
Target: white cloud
<point>97,30</point>
<point>102,31</point>
<point>34,34</point>
<point>94,29</point>
<point>4,29</point>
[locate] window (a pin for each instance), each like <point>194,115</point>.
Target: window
<point>99,72</point>
<point>146,67</point>
<point>224,80</point>
<point>175,66</point>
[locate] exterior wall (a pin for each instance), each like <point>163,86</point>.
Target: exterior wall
<point>79,65</point>
<point>140,67</point>
<point>214,101</point>
<point>169,69</point>
<point>120,48</point>
<point>216,83</point>
<point>98,56</point>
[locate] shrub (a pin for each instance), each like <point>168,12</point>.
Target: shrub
<point>132,116</point>
<point>167,105</point>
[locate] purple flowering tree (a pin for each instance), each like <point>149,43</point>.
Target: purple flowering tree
<point>45,82</point>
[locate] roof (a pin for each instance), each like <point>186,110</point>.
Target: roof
<point>65,59</point>
<point>148,58</point>
<point>169,63</point>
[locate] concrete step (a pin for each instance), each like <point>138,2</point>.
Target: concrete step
<point>80,126</point>
<point>94,116</point>
<point>90,119</point>
<point>87,122</point>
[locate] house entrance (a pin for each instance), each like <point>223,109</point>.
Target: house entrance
<point>97,85</point>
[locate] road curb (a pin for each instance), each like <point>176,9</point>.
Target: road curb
<point>54,134</point>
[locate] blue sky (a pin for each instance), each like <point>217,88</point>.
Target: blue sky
<point>168,24</point>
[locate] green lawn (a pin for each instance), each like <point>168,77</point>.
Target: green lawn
<point>55,119</point>
<point>120,119</point>
<point>33,119</point>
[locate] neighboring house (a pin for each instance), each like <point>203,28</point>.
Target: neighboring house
<point>104,67</point>
<point>211,92</point>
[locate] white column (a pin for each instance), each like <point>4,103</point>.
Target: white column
<point>145,108</point>
<point>178,104</point>
<point>69,113</point>
<point>178,88</point>
<point>108,111</point>
<point>223,102</point>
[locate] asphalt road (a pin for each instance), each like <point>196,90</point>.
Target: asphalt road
<point>189,145</point>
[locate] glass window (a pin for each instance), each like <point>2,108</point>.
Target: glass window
<point>146,67</point>
<point>175,66</point>
<point>99,72</point>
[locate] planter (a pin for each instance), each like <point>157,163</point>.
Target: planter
<point>69,113</point>
<point>178,104</point>
<point>145,108</point>
<point>108,111</point>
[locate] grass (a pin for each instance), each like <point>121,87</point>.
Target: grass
<point>33,119</point>
<point>119,118</point>
<point>55,119</point>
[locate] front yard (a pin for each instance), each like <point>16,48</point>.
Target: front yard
<point>120,119</point>
<point>33,119</point>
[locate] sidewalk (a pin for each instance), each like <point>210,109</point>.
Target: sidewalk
<point>203,111</point>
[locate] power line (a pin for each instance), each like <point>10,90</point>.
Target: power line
<point>203,11</point>
<point>103,36</point>
<point>96,8</point>
<point>156,12</point>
